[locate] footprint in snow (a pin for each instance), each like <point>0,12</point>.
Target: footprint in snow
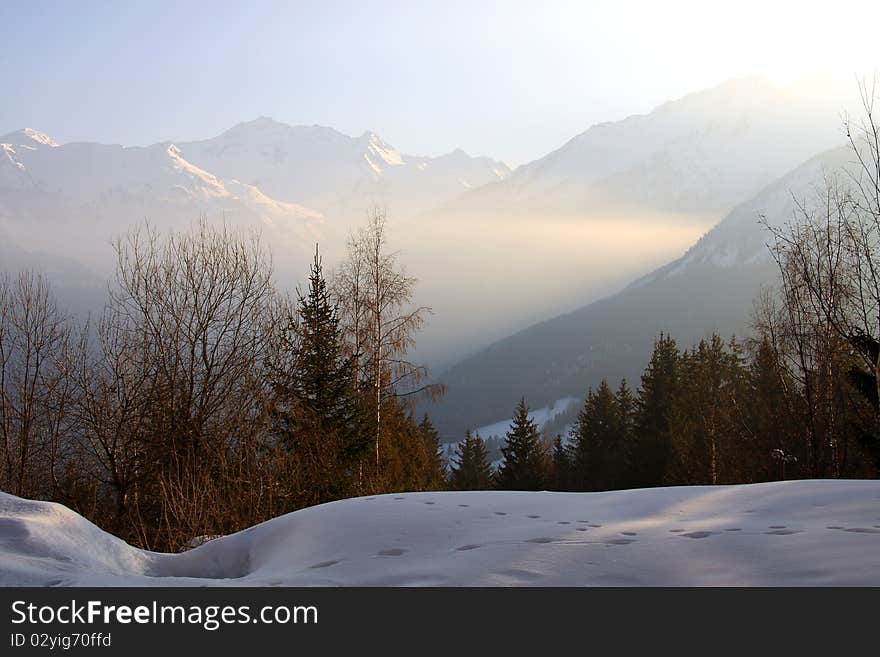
<point>325,564</point>
<point>783,532</point>
<point>564,522</point>
<point>394,552</point>
<point>541,539</point>
<point>620,541</point>
<point>533,516</point>
<point>834,527</point>
<point>399,498</point>
<point>862,530</point>
<point>629,533</point>
<point>500,513</point>
<point>733,529</point>
<point>522,575</point>
<point>463,548</point>
<point>699,534</point>
<point>776,527</point>
<point>595,525</point>
<point>676,531</point>
<point>582,529</point>
<point>428,502</point>
<point>464,505</point>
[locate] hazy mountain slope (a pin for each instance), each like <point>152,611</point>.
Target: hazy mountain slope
<point>613,203</point>
<point>14,258</point>
<point>710,288</point>
<point>704,152</point>
<point>77,288</point>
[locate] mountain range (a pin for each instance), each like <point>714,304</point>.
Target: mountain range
<point>594,230</point>
<point>295,183</point>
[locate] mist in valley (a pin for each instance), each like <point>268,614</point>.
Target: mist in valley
<point>486,278</point>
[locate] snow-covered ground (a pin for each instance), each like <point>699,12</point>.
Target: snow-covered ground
<point>777,534</point>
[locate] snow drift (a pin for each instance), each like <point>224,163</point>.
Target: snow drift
<point>777,534</point>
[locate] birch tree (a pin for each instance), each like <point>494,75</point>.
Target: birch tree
<point>375,298</point>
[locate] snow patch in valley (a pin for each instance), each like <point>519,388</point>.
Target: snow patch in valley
<point>796,533</point>
<point>539,416</point>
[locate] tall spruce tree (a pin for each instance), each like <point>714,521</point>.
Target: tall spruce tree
<point>435,466</point>
<point>561,465</point>
<point>774,448</point>
<point>471,469</point>
<point>652,448</point>
<point>626,431</point>
<point>598,443</point>
<point>693,419</point>
<point>707,424</point>
<point>525,463</point>
<point>317,414</point>
<point>324,384</point>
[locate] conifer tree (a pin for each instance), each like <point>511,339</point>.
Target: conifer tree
<point>470,469</point>
<point>405,464</point>
<point>626,432</point>
<point>652,447</point>
<point>706,422</point>
<point>598,443</point>
<point>435,467</point>
<point>316,413</point>
<point>524,466</point>
<point>324,381</point>
<point>561,465</point>
<point>773,446</point>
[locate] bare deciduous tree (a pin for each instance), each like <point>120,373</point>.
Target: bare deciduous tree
<point>830,284</point>
<point>375,297</point>
<point>172,389</point>
<point>34,391</point>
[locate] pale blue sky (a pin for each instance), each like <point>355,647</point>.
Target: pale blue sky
<point>510,79</point>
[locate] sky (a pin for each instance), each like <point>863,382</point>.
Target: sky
<point>512,80</point>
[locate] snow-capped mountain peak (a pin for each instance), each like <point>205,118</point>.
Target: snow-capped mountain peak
<point>381,150</point>
<point>40,137</point>
<point>301,183</point>
<point>28,138</point>
<point>209,184</point>
<point>330,171</point>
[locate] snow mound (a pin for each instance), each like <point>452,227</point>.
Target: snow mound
<point>799,533</point>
